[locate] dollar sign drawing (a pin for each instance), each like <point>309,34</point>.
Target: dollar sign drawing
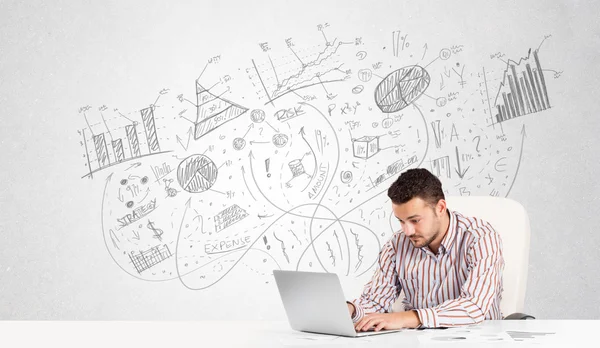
<point>157,231</point>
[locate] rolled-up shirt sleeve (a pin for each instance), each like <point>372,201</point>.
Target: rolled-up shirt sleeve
<point>380,293</point>
<point>479,290</point>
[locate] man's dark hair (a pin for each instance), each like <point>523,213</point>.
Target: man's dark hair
<point>414,183</point>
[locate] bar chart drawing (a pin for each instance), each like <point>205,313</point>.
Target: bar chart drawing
<point>125,148</point>
<point>523,89</point>
<point>148,258</point>
<point>150,129</point>
<point>441,166</point>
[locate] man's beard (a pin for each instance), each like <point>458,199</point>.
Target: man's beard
<point>430,239</point>
<point>426,243</point>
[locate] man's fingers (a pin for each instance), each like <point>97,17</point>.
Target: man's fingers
<point>363,323</point>
<point>380,326</point>
<point>373,323</point>
<point>368,323</point>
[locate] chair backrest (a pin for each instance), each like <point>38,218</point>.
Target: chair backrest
<point>509,218</point>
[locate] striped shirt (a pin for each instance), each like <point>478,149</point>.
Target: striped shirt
<point>461,285</point>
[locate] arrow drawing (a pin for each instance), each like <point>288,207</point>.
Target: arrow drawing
<point>246,183</point>
<point>460,172</point>
<point>187,144</point>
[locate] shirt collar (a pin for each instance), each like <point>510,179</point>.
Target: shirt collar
<point>449,238</point>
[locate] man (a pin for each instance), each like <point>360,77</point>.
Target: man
<point>449,266</point>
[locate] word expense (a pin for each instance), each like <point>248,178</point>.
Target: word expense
<point>227,245</point>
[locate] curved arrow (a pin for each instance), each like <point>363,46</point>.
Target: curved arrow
<point>314,157</point>
<point>244,177</point>
<point>524,134</point>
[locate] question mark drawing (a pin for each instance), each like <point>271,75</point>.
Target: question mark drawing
<point>260,130</point>
<point>478,140</point>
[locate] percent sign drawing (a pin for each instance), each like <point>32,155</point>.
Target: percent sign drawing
<point>396,37</point>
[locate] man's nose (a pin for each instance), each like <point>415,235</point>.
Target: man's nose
<point>409,230</point>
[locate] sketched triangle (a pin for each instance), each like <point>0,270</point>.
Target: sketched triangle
<point>213,111</point>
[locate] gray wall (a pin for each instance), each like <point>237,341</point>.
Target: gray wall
<point>65,255</point>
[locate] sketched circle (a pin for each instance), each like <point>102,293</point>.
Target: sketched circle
<point>358,89</point>
<point>387,122</point>
<point>445,53</point>
<point>365,75</point>
<point>257,115</point>
<point>196,173</point>
<point>239,143</point>
<point>440,102</point>
<point>280,140</point>
<point>129,204</point>
<point>346,176</point>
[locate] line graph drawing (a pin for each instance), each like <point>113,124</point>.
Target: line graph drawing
<point>295,71</point>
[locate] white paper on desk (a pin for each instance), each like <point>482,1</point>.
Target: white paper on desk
<point>464,335</point>
<point>307,339</point>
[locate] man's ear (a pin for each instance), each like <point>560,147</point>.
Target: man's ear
<point>440,206</point>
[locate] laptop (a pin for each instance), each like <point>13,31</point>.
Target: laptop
<point>314,302</point>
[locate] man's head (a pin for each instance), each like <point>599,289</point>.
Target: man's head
<point>418,202</point>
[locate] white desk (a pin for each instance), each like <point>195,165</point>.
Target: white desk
<point>79,334</point>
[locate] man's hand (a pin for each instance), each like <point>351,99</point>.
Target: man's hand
<point>388,321</point>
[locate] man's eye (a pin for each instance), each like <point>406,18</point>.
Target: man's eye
<point>415,221</point>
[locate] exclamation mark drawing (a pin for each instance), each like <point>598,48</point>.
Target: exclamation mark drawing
<point>266,243</point>
<point>267,162</point>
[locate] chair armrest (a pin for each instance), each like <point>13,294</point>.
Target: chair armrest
<point>518,316</point>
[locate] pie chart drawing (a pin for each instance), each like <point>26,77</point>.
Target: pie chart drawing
<point>197,173</point>
<point>400,88</point>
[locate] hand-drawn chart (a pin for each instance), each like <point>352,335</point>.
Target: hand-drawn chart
<point>283,161</point>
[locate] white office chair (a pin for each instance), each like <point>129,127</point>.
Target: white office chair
<point>510,220</point>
